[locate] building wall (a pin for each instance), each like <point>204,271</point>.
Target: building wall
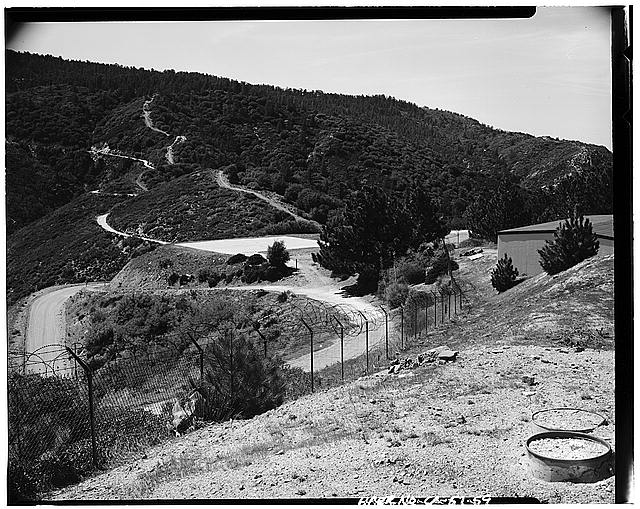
<point>523,250</point>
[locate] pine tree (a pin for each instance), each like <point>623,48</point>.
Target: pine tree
<point>573,242</point>
<point>504,275</point>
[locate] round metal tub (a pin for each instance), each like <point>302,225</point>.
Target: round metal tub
<point>566,419</point>
<point>569,456</point>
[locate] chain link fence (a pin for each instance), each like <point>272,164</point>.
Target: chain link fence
<point>69,415</point>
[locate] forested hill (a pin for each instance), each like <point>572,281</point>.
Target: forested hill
<point>312,148</point>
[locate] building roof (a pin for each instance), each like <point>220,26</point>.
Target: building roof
<point>602,226</point>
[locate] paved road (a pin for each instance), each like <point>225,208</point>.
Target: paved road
<point>47,326</point>
<point>355,343</point>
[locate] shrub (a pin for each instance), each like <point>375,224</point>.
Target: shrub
<point>440,266</point>
<point>228,278</point>
<point>272,274</point>
<point>237,258</point>
<point>277,254</point>
<point>573,241</point>
<point>283,297</point>
<point>238,381</point>
<point>214,279</point>
<point>173,278</point>
<point>395,294</point>
<point>185,279</point>
<point>203,275</point>
<point>413,273</point>
<point>255,259</point>
<point>504,275</point>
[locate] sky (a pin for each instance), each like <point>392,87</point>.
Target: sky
<point>549,75</point>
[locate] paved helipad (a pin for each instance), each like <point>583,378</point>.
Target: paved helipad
<point>250,245</point>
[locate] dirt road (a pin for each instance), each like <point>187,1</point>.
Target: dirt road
<point>222,181</point>
<point>169,154</point>
<point>146,114</point>
<point>47,325</point>
<point>102,221</point>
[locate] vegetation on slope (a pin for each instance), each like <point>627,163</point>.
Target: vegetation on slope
<point>314,147</point>
<point>67,246</point>
<point>194,207</point>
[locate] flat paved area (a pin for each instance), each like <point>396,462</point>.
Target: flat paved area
<point>249,245</point>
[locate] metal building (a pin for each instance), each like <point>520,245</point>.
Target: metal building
<point>522,244</point>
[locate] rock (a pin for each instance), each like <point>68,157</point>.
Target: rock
<point>579,349</point>
<point>301,492</point>
<point>461,419</point>
<point>280,452</point>
<point>448,355</point>
<point>529,380</point>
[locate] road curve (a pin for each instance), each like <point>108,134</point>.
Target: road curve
<point>354,345</point>
<point>222,181</point>
<point>47,325</point>
<point>102,221</point>
<point>146,114</point>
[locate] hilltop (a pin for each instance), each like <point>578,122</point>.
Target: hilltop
<point>453,429</point>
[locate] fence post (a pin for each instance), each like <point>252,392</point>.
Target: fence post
<point>200,354</point>
<point>341,347</point>
<point>415,320</point>
<point>264,340</point>
<point>231,388</point>
<point>401,327</point>
<point>386,331</point>
<point>311,333</point>
<point>366,345</point>
<point>455,304</point>
<point>88,372</point>
<point>441,306</point>
<point>426,314</point>
<point>435,309</point>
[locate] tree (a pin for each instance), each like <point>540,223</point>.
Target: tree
<point>373,229</point>
<point>504,275</point>
<point>504,206</point>
<point>573,241</point>
<point>277,254</point>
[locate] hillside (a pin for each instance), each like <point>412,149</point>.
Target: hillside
<point>76,127</point>
<point>448,430</point>
<point>67,246</point>
<point>286,141</point>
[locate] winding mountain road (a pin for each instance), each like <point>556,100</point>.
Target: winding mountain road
<point>46,316</point>
<point>146,114</point>
<point>223,181</point>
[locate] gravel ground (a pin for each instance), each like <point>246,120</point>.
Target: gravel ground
<point>454,429</point>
